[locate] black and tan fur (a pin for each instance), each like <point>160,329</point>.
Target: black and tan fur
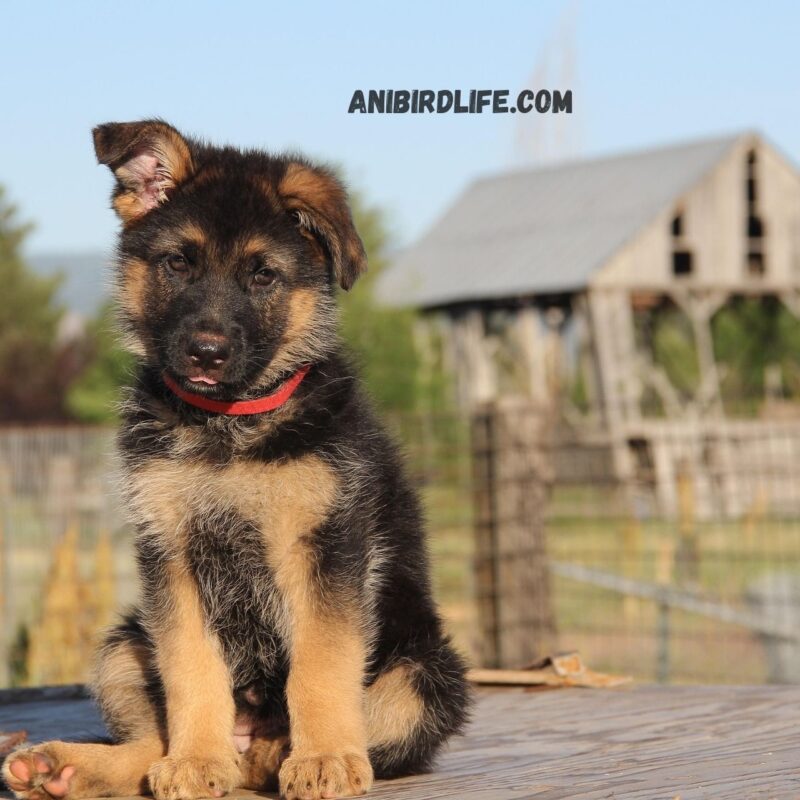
<point>285,587</point>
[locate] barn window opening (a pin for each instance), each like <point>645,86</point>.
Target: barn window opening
<point>682,263</point>
<point>755,264</point>
<point>755,227</point>
<point>642,453</point>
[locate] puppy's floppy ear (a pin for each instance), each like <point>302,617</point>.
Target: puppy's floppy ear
<point>319,202</point>
<point>148,158</point>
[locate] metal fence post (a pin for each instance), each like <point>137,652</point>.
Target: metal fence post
<point>663,663</point>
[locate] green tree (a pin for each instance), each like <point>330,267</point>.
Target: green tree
<point>665,334</point>
<point>383,337</point>
<point>674,350</point>
<point>380,338</point>
<point>32,374</point>
<point>751,334</point>
<point>93,397</point>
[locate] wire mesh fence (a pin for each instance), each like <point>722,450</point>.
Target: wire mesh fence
<point>670,553</point>
<point>66,559</point>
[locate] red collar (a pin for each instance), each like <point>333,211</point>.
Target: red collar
<point>241,407</point>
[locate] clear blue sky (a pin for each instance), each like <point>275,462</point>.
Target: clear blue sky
<point>280,75</point>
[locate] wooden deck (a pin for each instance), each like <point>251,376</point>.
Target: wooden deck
<point>644,743</point>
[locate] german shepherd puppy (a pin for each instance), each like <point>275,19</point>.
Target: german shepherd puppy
<point>286,633</point>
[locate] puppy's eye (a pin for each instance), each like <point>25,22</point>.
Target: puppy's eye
<point>177,263</point>
<point>264,277</point>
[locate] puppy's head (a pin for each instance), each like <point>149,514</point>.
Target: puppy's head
<point>228,260</point>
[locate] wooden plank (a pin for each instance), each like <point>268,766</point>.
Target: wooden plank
<point>515,677</point>
<point>646,743</point>
<point>545,677</point>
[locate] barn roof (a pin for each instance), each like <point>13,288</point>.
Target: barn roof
<point>543,230</point>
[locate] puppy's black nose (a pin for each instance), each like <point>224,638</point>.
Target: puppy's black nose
<point>208,350</point>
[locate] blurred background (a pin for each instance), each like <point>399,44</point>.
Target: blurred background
<point>584,328</point>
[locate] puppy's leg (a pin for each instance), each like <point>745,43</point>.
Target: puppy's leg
<point>326,710</point>
<point>126,685</point>
<point>72,771</point>
<point>122,685</point>
<point>201,760</point>
<point>324,690</point>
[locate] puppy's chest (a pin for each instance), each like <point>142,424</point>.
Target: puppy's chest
<point>275,503</point>
<point>230,560</point>
<point>235,526</point>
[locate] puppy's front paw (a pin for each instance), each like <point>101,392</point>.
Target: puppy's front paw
<point>315,777</point>
<point>188,778</point>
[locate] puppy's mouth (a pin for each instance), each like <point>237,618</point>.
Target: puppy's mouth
<point>203,379</point>
<point>223,388</point>
<point>200,383</point>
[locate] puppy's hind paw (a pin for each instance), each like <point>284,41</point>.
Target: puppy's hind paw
<point>36,774</point>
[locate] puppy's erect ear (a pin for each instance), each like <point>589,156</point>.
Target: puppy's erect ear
<point>148,158</point>
<point>319,202</point>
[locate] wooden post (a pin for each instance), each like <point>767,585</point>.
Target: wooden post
<point>511,571</point>
<point>531,342</point>
<point>5,573</point>
<point>612,324</point>
<point>475,372</point>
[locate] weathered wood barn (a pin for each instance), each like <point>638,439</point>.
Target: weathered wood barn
<point>537,280</point>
